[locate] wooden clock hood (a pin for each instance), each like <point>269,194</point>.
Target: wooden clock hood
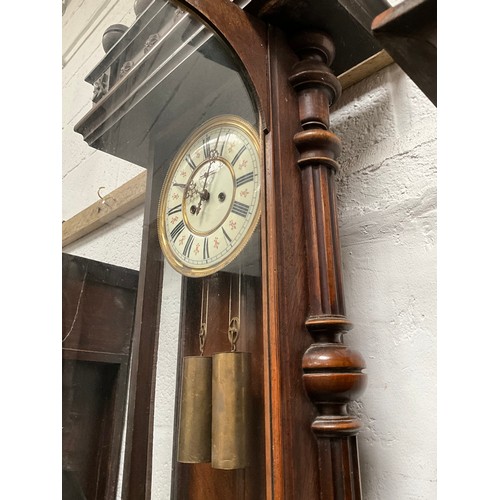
<point>128,82</point>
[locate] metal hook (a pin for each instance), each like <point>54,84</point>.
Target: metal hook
<point>101,198</point>
<point>203,337</point>
<point>99,193</point>
<point>233,332</point>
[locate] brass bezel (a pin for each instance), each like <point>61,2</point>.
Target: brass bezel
<point>177,264</point>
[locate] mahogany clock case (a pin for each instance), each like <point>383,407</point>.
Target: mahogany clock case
<point>225,61</point>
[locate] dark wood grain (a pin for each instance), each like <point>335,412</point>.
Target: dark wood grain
<point>408,32</point>
<point>293,459</point>
<point>349,27</point>
<point>332,373</point>
<point>96,298</point>
<point>303,376</point>
<point>201,481</point>
<point>98,314</point>
<point>139,438</point>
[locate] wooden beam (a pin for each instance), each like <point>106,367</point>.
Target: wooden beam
<point>132,193</point>
<point>365,69</point>
<point>118,202</point>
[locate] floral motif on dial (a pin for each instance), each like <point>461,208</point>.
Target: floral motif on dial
<point>243,164</point>
<point>216,242</point>
<point>244,193</point>
<point>232,224</point>
<point>197,249</point>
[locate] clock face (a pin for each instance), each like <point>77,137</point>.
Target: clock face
<point>210,200</point>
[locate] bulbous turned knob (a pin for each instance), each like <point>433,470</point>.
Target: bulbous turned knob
<point>317,146</point>
<point>314,45</point>
<point>333,374</point>
<point>112,34</point>
<point>140,6</point>
<point>309,73</point>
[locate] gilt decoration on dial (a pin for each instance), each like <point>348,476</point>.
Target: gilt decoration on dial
<point>210,200</point>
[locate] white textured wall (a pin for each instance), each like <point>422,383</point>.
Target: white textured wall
<point>387,211</point>
<point>387,203</point>
<point>84,169</point>
<point>166,372</point>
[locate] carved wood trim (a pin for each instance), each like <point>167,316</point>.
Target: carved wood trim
<point>332,373</point>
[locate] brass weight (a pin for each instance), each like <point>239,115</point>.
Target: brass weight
<point>230,410</point>
<point>195,421</point>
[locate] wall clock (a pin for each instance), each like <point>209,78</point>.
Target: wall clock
<point>230,117</point>
<point>206,189</point>
<point>210,200</point>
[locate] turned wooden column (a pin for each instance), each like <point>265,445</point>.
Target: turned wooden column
<point>332,373</point>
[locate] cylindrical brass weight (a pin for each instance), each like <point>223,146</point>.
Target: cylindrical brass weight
<point>230,410</point>
<point>195,423</point>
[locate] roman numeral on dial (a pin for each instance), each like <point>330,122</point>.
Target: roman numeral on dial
<point>206,146</point>
<point>189,244</point>
<point>244,179</point>
<point>217,143</point>
<point>240,209</point>
<point>223,144</point>
<point>237,155</point>
<point>177,230</point>
<point>206,254</point>
<point>190,162</point>
<point>175,209</point>
<point>228,239</point>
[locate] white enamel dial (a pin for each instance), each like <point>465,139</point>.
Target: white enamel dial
<point>210,200</point>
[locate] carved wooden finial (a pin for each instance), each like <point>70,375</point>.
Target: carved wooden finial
<point>313,45</point>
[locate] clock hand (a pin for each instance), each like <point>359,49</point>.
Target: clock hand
<point>214,170</point>
<point>201,194</point>
<point>190,191</point>
<point>204,194</point>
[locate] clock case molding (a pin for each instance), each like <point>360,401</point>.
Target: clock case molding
<point>310,375</point>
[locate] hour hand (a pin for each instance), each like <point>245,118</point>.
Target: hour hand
<point>191,190</point>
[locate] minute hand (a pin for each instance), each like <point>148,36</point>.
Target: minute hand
<point>202,194</point>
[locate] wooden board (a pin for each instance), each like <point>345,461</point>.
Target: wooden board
<point>365,69</point>
<point>118,202</point>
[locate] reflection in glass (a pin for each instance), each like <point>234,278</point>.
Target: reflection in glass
<point>166,77</point>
